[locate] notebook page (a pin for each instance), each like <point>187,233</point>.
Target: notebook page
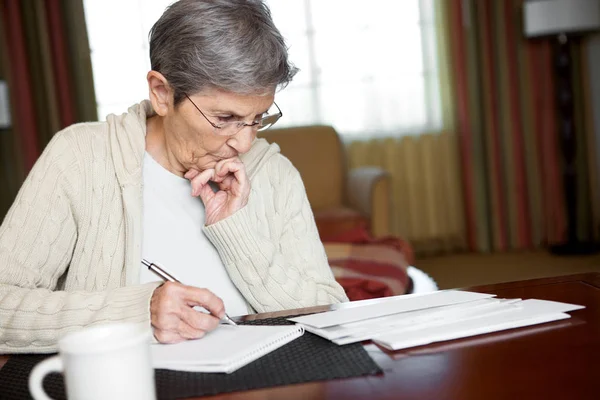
<point>224,349</point>
<point>393,306</point>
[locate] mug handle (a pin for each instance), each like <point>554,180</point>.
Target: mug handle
<point>52,364</point>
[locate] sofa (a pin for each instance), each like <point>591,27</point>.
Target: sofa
<point>352,213</point>
<point>341,198</point>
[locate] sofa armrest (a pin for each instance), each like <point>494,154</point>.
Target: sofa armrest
<point>369,191</point>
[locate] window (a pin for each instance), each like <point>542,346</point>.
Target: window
<point>368,68</point>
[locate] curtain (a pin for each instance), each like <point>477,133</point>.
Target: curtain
<point>427,203</point>
<point>507,129</point>
<point>426,192</point>
<point>589,207</point>
<point>46,62</point>
<point>591,88</point>
<point>11,173</point>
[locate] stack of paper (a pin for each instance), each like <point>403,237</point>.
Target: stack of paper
<point>407,321</point>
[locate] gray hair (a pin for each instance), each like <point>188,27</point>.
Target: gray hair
<point>231,45</point>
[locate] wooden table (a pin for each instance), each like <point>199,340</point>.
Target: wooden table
<point>557,360</point>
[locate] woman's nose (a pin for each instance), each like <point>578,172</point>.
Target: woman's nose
<point>242,141</point>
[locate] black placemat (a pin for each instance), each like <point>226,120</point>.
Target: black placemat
<point>306,359</point>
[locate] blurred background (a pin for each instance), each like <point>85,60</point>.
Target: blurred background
<point>488,129</point>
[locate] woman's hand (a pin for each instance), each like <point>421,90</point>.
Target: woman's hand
<point>173,318</point>
<point>234,188</point>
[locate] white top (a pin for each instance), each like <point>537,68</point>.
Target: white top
<point>173,237</point>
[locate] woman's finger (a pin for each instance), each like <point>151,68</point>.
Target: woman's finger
<point>199,320</point>
<point>187,331</point>
<point>205,298</point>
<point>219,167</point>
<point>201,180</point>
<point>238,170</point>
<point>206,194</point>
<point>191,174</point>
<point>227,167</point>
<point>168,337</point>
<point>235,169</point>
<point>227,182</point>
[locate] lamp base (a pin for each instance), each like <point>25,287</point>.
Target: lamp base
<point>575,248</point>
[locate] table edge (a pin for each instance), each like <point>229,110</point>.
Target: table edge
<point>590,278</point>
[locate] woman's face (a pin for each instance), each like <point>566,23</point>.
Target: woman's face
<point>193,143</point>
<point>198,144</point>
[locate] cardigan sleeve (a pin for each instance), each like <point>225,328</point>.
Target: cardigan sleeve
<point>289,271</point>
<point>37,239</point>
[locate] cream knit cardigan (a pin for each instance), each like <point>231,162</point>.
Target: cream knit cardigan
<point>70,246</point>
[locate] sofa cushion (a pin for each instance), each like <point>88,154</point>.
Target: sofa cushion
<point>369,268</point>
<point>317,153</point>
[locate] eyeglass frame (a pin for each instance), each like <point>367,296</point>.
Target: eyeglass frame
<point>218,128</point>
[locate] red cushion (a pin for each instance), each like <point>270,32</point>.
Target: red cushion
<point>360,235</point>
<point>363,289</point>
<point>369,268</point>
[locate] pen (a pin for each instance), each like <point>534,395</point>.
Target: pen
<point>168,277</point>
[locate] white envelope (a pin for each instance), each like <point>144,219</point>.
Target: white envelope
<point>397,320</point>
<point>392,305</point>
<point>530,312</point>
<point>439,320</point>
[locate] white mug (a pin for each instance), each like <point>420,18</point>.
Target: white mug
<point>109,361</point>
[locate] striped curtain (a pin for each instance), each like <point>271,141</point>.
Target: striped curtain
<point>427,207</point>
<point>427,199</point>
<point>506,121</point>
<point>45,58</point>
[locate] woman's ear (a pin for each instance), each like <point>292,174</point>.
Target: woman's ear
<point>161,95</point>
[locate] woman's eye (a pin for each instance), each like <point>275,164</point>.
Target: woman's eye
<point>225,118</point>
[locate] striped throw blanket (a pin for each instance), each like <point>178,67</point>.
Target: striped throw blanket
<point>369,268</point>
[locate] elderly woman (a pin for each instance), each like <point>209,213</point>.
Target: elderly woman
<point>180,180</point>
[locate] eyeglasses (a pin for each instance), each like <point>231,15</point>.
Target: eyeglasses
<point>231,128</point>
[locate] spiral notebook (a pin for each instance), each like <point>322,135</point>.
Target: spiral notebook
<point>225,349</point>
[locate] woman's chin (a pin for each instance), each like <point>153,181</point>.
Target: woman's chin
<point>203,167</point>
<point>210,164</point>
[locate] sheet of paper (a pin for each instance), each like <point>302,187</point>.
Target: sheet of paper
<point>394,305</point>
<point>399,319</point>
<point>451,314</point>
<point>547,306</point>
<point>437,321</point>
<point>448,315</point>
<point>530,312</point>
